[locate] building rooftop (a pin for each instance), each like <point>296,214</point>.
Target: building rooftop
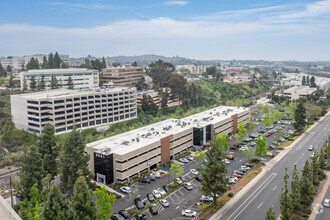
<point>301,90</point>
<point>50,71</point>
<point>132,140</point>
<point>55,93</point>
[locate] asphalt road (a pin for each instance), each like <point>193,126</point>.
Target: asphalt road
<point>255,202</point>
<point>323,212</point>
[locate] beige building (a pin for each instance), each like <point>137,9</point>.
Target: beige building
<point>156,98</point>
<point>125,156</point>
<point>122,76</point>
<point>195,70</point>
<point>65,108</point>
<point>299,91</point>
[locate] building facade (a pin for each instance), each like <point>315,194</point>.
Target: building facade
<point>122,157</point>
<point>122,76</point>
<point>82,78</point>
<point>65,108</point>
<point>299,92</point>
<point>156,98</point>
<point>195,70</point>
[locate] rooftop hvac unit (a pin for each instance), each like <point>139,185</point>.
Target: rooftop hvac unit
<point>125,142</point>
<point>152,129</point>
<point>137,139</point>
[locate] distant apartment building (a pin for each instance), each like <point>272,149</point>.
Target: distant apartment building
<point>295,79</point>
<point>299,91</point>
<point>65,108</point>
<point>156,98</point>
<point>82,78</point>
<point>122,76</point>
<point>195,70</point>
<point>122,157</point>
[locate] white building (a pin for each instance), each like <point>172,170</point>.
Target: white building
<point>82,78</point>
<point>65,108</point>
<point>299,91</point>
<point>196,70</point>
<point>295,79</point>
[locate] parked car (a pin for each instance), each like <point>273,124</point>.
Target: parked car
<point>153,210</point>
<point>281,139</point>
<point>206,199</point>
<point>141,217</point>
<point>138,203</point>
<point>189,158</point>
<point>313,154</point>
<point>188,186</point>
<point>311,148</point>
<point>125,189</point>
<point>152,177</point>
<point>198,178</point>
<point>248,165</point>
<point>194,171</point>
<point>233,180</point>
<point>272,146</point>
<point>157,175</point>
<point>239,172</point>
<point>178,181</point>
<point>253,136</point>
<point>183,160</point>
<point>183,179</point>
<point>167,188</point>
<point>326,203</point>
<point>226,161</point>
<point>230,157</point>
<point>252,144</point>
<point>117,217</point>
<point>145,180</point>
<point>156,193</point>
<point>164,203</point>
<point>188,213</point>
<point>233,147</point>
<point>162,191</point>
<point>125,214</point>
<point>150,197</point>
<point>237,175</point>
<point>244,148</point>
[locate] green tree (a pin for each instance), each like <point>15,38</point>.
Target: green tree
<point>29,207</point>
<point>306,186</point>
<point>51,62</point>
<point>303,82</point>
<point>160,72</point>
<point>300,117</point>
<point>315,170</point>
<point>251,125</point>
<point>104,203</point>
<point>39,85</point>
<point>285,200</point>
<point>103,64</point>
<point>25,86</point>
<point>295,190</point>
<point>2,71</point>
<point>73,148</point>
<point>266,109</point>
<point>42,81</point>
<point>176,170</point>
<point>177,84</point>
<point>261,148</point>
<point>312,82</point>
<point>44,62</point>
<point>32,64</point>
<point>270,215</point>
<point>70,83</point>
<point>214,179</point>
<point>33,83</point>
<point>48,149</point>
<point>56,206</point>
<point>241,133</point>
<point>248,153</point>
<point>54,83</point>
<point>164,99</point>
<point>11,81</point>
<point>200,155</point>
<point>134,64</point>
<point>31,171</point>
<point>322,159</point>
<point>211,70</point>
<point>7,133</point>
<point>82,205</point>
<point>148,105</point>
<point>279,134</point>
<point>57,61</point>
<point>115,64</point>
<point>267,120</point>
<point>290,110</point>
<point>307,80</point>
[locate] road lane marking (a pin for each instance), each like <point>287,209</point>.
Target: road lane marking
<point>305,141</point>
<point>177,207</point>
<point>259,205</point>
<point>257,192</point>
<point>274,188</point>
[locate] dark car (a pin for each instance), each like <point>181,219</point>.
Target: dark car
<point>167,188</point>
<point>152,177</point>
<point>138,203</point>
<point>117,217</point>
<point>248,165</point>
<point>198,178</point>
<point>125,214</point>
<point>153,210</point>
<point>233,147</point>
<point>242,170</point>
<point>150,197</point>
<point>183,179</point>
<point>239,172</point>
<point>145,180</point>
<point>141,217</point>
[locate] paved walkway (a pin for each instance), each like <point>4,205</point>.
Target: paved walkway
<point>319,199</point>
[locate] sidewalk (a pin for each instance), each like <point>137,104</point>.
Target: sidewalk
<point>319,199</point>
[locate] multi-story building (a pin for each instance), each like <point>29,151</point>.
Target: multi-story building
<point>122,157</point>
<point>299,91</point>
<point>82,78</point>
<point>122,76</point>
<point>65,108</point>
<point>156,98</point>
<point>195,70</point>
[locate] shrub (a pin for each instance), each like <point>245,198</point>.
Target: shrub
<point>173,185</point>
<point>230,194</point>
<point>296,134</point>
<point>255,160</point>
<point>307,210</point>
<point>290,138</point>
<point>263,163</point>
<point>310,122</point>
<point>327,168</point>
<point>281,148</point>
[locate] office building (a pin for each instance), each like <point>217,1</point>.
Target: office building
<point>82,78</point>
<point>65,108</point>
<point>299,91</point>
<point>195,70</point>
<point>157,99</point>
<point>122,76</point>
<point>122,157</point>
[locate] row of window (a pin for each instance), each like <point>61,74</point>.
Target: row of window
<point>179,145</point>
<point>138,164</point>
<point>229,122</point>
<point>136,156</point>
<point>183,136</point>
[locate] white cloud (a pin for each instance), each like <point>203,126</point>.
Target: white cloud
<point>311,10</point>
<point>178,3</point>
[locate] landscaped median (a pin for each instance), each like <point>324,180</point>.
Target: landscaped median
<point>209,210</point>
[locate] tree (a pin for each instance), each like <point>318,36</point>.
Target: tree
<point>261,148</point>
<point>96,64</point>
<point>285,200</point>
<point>56,206</point>
<point>2,71</point>
<point>265,108</point>
<point>276,116</point>
<point>33,83</point>
<point>51,61</point>
<point>279,134</point>
<point>312,110</point>
<point>248,153</point>
<point>25,86</point>
<point>214,179</point>
<point>70,83</point>
<point>160,72</point>
<point>82,205</point>
<point>176,170</point>
<point>295,190</point>
<point>306,186</point>
<point>57,61</point>
<point>39,85</point>
<point>11,81</point>
<point>104,203</point>
<point>270,215</point>
<point>211,70</point>
<point>251,125</point>
<point>241,133</point>
<point>322,159</point>
<point>48,149</point>
<point>44,62</point>
<point>103,64</point>
<point>300,117</point>
<point>177,84</point>
<point>86,64</point>
<point>9,70</point>
<point>7,133</point>
<point>73,148</point>
<point>32,64</point>
<point>29,207</point>
<point>200,155</point>
<point>315,170</point>
<point>54,83</point>
<point>115,64</point>
<point>148,105</point>
<point>312,82</point>
<point>164,99</point>
<point>31,171</point>
<point>303,82</point>
<point>307,80</point>
<point>42,81</point>
<point>290,110</point>
<point>134,64</point>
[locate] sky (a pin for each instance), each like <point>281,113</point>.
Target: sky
<point>199,29</point>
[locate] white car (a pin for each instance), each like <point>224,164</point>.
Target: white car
<point>233,180</point>
<point>162,191</point>
<point>188,186</point>
<point>244,148</point>
<point>157,175</point>
<point>226,161</point>
<point>189,213</point>
<point>156,194</point>
<point>125,189</point>
<point>326,203</point>
<point>311,148</point>
<point>164,203</point>
<point>189,158</point>
<point>194,171</point>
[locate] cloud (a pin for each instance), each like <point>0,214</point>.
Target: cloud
<point>178,3</point>
<point>68,6</point>
<point>311,10</point>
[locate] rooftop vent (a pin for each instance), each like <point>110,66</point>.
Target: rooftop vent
<point>125,142</point>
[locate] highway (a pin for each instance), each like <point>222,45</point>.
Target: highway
<point>256,201</point>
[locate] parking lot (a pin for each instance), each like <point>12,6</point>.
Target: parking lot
<point>183,199</point>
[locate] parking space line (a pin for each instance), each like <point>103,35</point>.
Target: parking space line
<point>259,205</point>
<point>180,192</point>
<point>274,188</point>
<point>193,183</point>
<point>176,195</point>
<point>171,198</point>
<point>149,213</point>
